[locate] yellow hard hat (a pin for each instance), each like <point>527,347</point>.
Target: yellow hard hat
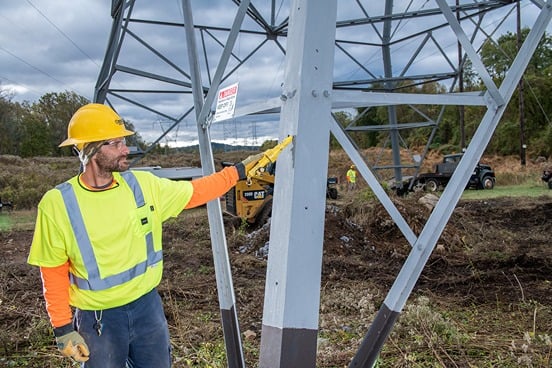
<point>92,123</point>
<point>352,166</point>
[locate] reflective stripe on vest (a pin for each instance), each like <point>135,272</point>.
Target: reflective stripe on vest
<point>94,281</point>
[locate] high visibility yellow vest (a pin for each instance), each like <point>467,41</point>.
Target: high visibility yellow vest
<point>351,175</point>
<point>112,238</point>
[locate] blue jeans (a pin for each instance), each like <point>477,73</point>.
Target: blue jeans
<point>135,335</point>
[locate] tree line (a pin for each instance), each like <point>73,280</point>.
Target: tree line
<point>450,134</point>
<point>36,129</point>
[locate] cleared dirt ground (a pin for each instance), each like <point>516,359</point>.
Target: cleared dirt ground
<point>484,298</point>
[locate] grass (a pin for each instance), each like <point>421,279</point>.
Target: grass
<point>21,220</point>
<point>5,222</point>
<point>523,190</point>
<point>438,334</point>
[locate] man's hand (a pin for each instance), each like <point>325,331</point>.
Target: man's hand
<point>71,344</point>
<point>246,165</point>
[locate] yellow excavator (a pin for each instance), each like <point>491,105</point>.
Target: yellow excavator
<point>251,199</point>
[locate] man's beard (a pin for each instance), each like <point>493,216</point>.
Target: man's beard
<point>113,164</point>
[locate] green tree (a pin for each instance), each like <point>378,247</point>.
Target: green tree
<point>497,58</point>
<point>35,137</point>
<point>369,116</point>
<point>268,144</point>
<point>343,118</point>
<point>9,125</point>
<point>55,110</point>
<point>541,145</point>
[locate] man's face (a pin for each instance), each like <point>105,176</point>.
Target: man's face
<point>112,156</point>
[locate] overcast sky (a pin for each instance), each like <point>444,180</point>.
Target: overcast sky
<point>56,46</point>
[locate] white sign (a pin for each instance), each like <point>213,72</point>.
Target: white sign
<point>226,103</point>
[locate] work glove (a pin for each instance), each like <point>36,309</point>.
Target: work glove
<point>247,164</point>
<point>71,344</point>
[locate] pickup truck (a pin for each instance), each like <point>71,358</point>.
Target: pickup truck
<point>483,176</point>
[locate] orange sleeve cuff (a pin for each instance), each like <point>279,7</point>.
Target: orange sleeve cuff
<point>212,186</point>
<point>55,283</point>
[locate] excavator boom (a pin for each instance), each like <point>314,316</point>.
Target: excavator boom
<point>270,156</point>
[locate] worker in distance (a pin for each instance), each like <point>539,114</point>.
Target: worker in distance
<point>97,242</point>
<point>351,178</point>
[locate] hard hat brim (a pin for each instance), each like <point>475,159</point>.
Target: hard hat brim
<point>75,141</point>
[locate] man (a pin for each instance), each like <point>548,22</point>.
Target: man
<point>97,242</point>
<point>351,178</point>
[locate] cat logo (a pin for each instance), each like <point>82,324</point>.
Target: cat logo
<point>254,195</point>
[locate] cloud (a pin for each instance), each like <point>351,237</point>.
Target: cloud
<point>46,47</point>
<point>52,46</point>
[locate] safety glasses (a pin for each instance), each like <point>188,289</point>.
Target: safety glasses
<point>117,143</point>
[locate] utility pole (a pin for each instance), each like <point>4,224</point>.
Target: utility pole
<point>522,145</point>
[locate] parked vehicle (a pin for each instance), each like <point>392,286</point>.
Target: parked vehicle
<point>547,177</point>
<point>6,205</point>
<point>483,176</point>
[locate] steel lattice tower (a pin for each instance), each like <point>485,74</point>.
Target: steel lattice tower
<point>325,56</point>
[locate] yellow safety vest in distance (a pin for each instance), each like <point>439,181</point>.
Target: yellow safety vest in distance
<point>351,174</point>
<point>114,247</point>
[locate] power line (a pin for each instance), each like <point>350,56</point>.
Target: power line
<point>30,65</point>
<point>61,32</point>
<point>38,70</point>
<point>18,84</point>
